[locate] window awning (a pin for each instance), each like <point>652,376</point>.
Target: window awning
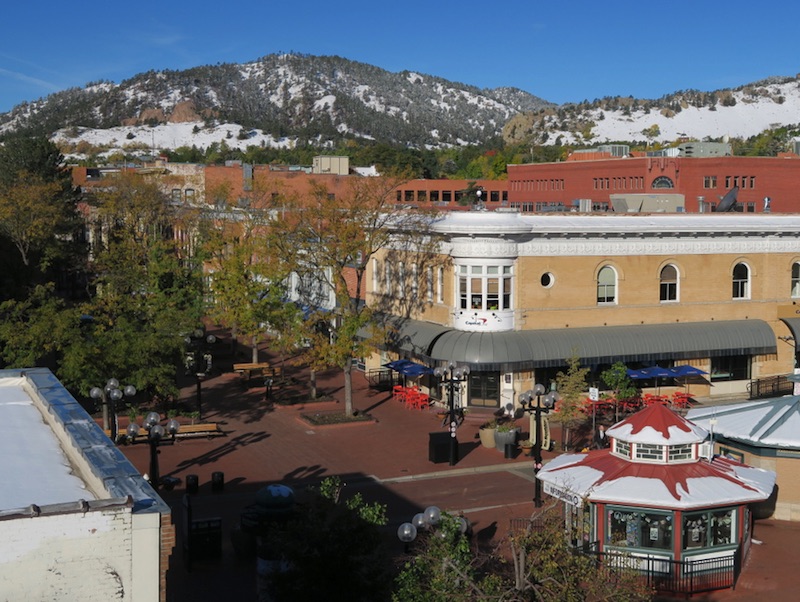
<point>794,326</point>
<point>528,349</point>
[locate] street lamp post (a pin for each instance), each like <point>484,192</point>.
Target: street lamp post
<point>544,403</point>
<point>199,360</point>
<point>155,434</point>
<point>457,374</point>
<point>428,521</point>
<point>108,396</point>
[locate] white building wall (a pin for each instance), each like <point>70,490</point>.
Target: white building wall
<point>75,556</point>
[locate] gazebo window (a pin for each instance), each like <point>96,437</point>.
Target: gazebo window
<point>639,529</point>
<point>648,451</point>
<point>622,448</point>
<point>709,528</point>
<point>681,452</point>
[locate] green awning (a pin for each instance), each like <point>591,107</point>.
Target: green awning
<point>528,349</point>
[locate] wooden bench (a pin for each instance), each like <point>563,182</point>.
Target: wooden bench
<point>264,370</point>
<point>201,429</point>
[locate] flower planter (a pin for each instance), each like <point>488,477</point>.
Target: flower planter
<point>501,438</point>
<point>487,436</point>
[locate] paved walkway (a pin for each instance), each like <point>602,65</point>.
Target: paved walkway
<point>387,461</point>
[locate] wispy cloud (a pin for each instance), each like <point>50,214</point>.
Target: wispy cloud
<point>35,81</point>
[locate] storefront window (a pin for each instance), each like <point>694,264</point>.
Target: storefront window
<point>708,529</point>
<point>639,529</point>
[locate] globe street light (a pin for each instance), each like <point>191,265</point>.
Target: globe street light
<point>155,434</point>
<point>458,374</point>
<point>544,403</point>
<point>109,396</point>
<point>428,521</point>
<point>199,360</point>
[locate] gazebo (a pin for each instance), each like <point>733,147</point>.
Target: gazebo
<point>659,495</point>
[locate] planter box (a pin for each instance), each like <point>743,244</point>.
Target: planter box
<point>503,437</point>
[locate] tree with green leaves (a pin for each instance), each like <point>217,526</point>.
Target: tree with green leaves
<point>146,293</point>
<point>616,378</point>
<point>335,239</point>
<point>249,275</point>
<point>571,386</point>
<point>38,219</point>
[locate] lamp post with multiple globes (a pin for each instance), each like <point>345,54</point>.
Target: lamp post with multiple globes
<point>108,396</point>
<point>544,403</point>
<point>457,375</point>
<point>199,360</point>
<point>155,435</point>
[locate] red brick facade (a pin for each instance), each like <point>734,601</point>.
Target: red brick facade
<point>699,179</point>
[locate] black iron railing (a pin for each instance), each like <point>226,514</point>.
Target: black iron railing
<point>686,577</point>
<point>774,386</point>
<point>383,380</point>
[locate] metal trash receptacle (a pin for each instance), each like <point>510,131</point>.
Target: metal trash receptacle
<point>438,447</point>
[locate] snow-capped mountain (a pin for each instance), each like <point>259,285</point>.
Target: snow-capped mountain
<point>288,99</point>
<point>739,113</point>
<point>276,100</point>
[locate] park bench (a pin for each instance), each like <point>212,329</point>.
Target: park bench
<point>201,429</point>
<point>260,369</point>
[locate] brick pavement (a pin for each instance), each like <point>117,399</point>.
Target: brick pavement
<point>387,461</point>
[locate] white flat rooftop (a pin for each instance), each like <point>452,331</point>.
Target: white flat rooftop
<point>34,468</point>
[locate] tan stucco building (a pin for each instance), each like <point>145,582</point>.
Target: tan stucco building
<point>513,295</point>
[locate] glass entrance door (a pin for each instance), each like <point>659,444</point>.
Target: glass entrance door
<point>484,389</point>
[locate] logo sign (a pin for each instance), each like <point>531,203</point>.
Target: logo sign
<point>565,495</point>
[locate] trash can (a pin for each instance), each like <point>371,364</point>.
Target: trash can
<point>438,447</point>
<point>192,484</point>
<point>217,481</point>
<point>510,451</point>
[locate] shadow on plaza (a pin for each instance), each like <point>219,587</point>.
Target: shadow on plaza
<point>232,576</point>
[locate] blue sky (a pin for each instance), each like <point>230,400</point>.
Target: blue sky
<point>559,51</point>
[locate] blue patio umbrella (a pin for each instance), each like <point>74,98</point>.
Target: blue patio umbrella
<point>686,371</point>
<point>408,368</point>
<point>682,371</point>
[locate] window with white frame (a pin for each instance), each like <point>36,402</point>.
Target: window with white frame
<point>607,285</point>
<point>440,285</point>
<point>741,281</point>
<point>429,283</point>
<point>669,284</point>
<point>414,279</point>
<point>387,277</point>
<point>374,275</point>
<point>796,280</point>
<point>484,287</point>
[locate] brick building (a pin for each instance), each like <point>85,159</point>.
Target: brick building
<point>593,181</point>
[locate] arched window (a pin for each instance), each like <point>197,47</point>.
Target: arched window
<point>607,285</point>
<point>669,284</point>
<point>741,281</point>
<point>662,182</point>
<point>796,280</point>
